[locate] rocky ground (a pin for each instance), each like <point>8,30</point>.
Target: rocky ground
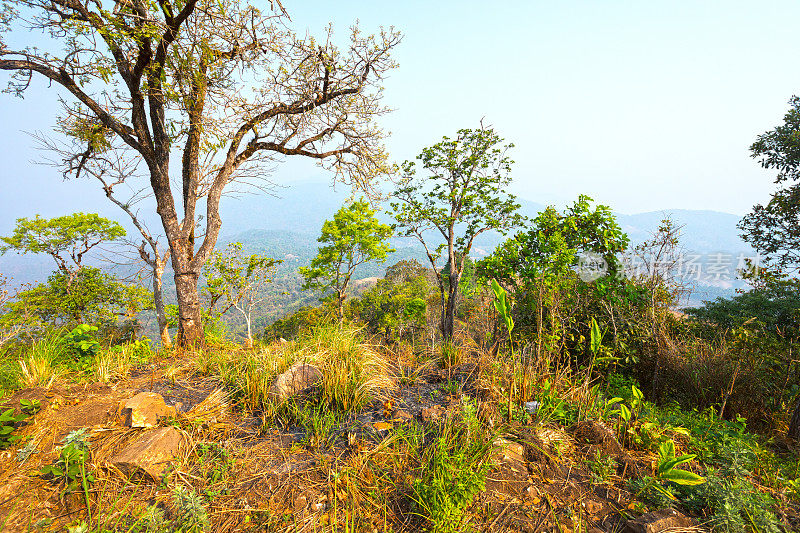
<point>167,426</point>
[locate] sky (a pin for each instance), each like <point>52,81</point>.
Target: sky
<point>644,106</point>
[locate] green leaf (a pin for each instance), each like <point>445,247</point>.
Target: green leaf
<point>669,464</point>
<point>683,477</point>
<point>596,337</point>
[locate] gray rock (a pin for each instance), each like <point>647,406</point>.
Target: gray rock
<point>298,378</point>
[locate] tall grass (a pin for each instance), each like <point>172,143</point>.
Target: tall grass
<point>353,372</point>
<point>39,365</point>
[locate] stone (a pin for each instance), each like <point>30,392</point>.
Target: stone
<point>657,521</point>
<point>144,410</point>
<point>298,378</point>
<point>150,453</point>
<point>592,507</point>
<point>511,455</point>
<point>432,414</point>
<point>596,432</point>
<point>402,416</point>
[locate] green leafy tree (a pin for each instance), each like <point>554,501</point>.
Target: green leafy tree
<point>774,229</point>
<point>460,195</point>
<point>397,305</point>
<point>352,238</point>
<point>225,83</point>
<point>66,239</point>
<point>92,297</point>
<point>238,281</point>
<point>537,264</point>
<point>554,242</point>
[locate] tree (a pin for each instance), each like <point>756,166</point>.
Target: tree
<point>774,229</point>
<point>537,263</point>
<point>112,170</point>
<point>66,239</point>
<point>397,304</point>
<point>238,280</point>
<point>352,238</point>
<point>460,196</point>
<point>91,297</point>
<point>554,241</point>
<point>229,87</point>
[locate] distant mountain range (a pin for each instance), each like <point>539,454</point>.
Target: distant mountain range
<point>286,225</point>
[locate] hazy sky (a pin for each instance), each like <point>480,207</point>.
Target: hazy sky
<point>642,105</point>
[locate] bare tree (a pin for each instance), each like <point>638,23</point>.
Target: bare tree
<point>229,87</point>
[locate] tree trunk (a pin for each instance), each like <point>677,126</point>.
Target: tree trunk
<point>158,300</point>
<point>794,424</point>
<point>340,306</point>
<point>190,323</point>
<point>249,342</point>
<point>450,311</point>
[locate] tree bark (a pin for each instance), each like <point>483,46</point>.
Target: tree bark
<point>448,324</point>
<point>158,300</point>
<point>794,424</point>
<point>190,323</point>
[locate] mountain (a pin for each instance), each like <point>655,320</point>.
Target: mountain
<point>285,225</point>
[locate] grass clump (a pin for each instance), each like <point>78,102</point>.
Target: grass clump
<point>353,371</point>
<point>453,471</point>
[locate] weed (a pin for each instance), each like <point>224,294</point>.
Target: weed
<point>8,421</point>
<point>191,515</point>
<point>70,468</point>
<point>449,355</point>
<point>454,468</point>
<point>38,366</point>
<point>601,466</point>
<point>452,387</point>
<point>216,464</point>
<point>30,407</point>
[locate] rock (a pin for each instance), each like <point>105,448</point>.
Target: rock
<point>432,414</point>
<point>402,416</point>
<point>150,453</point>
<point>592,507</point>
<point>510,455</point>
<point>596,432</point>
<point>532,407</point>
<point>657,521</point>
<point>298,378</point>
<point>144,410</point>
<point>300,504</point>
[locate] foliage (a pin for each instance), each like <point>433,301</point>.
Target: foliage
<point>397,305</point>
<point>238,280</point>
<point>66,239</point>
<point>503,305</point>
<point>30,407</point>
<point>775,308</point>
<point>773,229</point>
<point>462,195</point>
<point>8,421</point>
<point>353,237</point>
<point>553,242</point>
<point>453,471</point>
<point>91,297</point>
<point>70,468</point>
<point>192,516</point>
